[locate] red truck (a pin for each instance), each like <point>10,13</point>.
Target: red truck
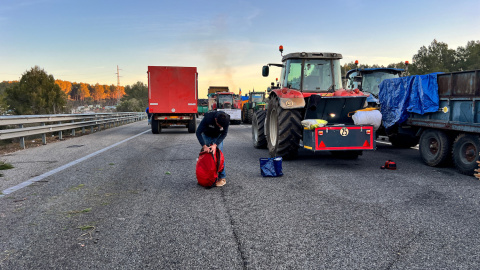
<point>172,97</point>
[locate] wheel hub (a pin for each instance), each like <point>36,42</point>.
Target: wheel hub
<point>433,146</point>
<point>273,127</point>
<point>469,152</point>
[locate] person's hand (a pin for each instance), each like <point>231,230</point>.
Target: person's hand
<point>213,147</point>
<point>205,148</point>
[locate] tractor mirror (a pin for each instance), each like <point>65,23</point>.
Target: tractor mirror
<point>265,71</point>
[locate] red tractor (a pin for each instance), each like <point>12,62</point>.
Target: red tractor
<point>310,89</point>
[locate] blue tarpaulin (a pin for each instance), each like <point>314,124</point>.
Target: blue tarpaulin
<point>412,94</point>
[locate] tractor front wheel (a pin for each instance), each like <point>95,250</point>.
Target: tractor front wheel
<point>284,130</point>
<point>250,116</point>
<point>258,130</point>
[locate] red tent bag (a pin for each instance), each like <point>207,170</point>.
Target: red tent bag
<point>208,167</point>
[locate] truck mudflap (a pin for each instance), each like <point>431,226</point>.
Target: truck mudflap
<point>339,138</point>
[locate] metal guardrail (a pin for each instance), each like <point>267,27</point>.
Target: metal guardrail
<point>43,124</point>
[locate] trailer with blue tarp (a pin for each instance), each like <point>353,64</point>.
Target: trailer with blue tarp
<point>442,110</point>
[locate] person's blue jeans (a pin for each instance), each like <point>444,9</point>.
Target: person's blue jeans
<point>210,140</point>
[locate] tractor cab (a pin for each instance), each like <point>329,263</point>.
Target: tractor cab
<point>225,101</point>
<point>368,80</point>
<point>309,72</point>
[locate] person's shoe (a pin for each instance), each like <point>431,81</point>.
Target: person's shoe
<point>221,182</point>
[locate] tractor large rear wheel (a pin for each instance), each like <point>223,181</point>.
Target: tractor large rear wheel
<point>258,130</point>
<point>284,130</point>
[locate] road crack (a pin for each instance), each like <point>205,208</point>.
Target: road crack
<point>234,232</point>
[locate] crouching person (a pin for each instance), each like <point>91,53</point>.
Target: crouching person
<point>210,134</point>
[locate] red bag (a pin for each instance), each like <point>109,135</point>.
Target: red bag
<point>208,167</point>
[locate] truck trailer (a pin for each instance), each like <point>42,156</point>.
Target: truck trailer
<point>447,126</point>
<point>172,97</point>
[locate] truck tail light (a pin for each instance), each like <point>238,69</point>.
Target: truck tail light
<point>320,132</point>
<point>368,131</point>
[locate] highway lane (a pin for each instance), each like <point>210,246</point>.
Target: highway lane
<point>137,206</point>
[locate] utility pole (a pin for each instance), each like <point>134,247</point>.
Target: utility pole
<point>118,84</point>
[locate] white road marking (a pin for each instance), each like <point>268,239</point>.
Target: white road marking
<point>61,168</point>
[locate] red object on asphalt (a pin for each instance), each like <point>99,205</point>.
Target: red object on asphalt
<point>389,165</point>
<point>208,167</point>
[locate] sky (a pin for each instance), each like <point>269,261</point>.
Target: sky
<point>228,41</point>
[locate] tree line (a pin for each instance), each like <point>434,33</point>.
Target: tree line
<point>437,57</point>
<point>82,91</point>
<point>39,93</point>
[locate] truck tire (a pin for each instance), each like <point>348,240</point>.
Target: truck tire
<point>284,130</point>
<point>465,153</point>
<point>156,127</point>
<point>258,130</point>
<point>403,140</point>
<point>192,126</point>
<point>250,116</point>
<point>435,147</point>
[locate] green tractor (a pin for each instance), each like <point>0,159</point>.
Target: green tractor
<point>256,101</point>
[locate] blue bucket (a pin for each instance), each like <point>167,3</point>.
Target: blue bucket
<point>271,167</point>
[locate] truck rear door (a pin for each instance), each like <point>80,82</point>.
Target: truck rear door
<point>172,89</point>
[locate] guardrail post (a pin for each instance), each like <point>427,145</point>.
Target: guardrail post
<point>73,129</point>
<point>44,135</point>
<point>91,129</point>
<point>83,128</point>
<point>22,139</point>
<point>60,134</point>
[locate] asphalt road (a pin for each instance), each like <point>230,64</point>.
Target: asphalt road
<point>136,205</point>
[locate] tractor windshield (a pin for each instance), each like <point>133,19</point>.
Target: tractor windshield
<point>318,76</point>
<point>371,81</point>
<point>315,74</point>
<point>225,101</point>
<point>257,98</point>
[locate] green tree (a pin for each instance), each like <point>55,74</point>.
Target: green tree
<point>138,92</point>
<point>130,105</point>
<point>436,58</point>
<point>400,65</point>
<point>468,57</point>
<point>36,93</point>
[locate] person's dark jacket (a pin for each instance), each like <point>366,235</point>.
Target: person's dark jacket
<point>209,127</point>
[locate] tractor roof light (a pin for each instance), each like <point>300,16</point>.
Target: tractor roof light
<point>356,62</point>
<point>406,63</point>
